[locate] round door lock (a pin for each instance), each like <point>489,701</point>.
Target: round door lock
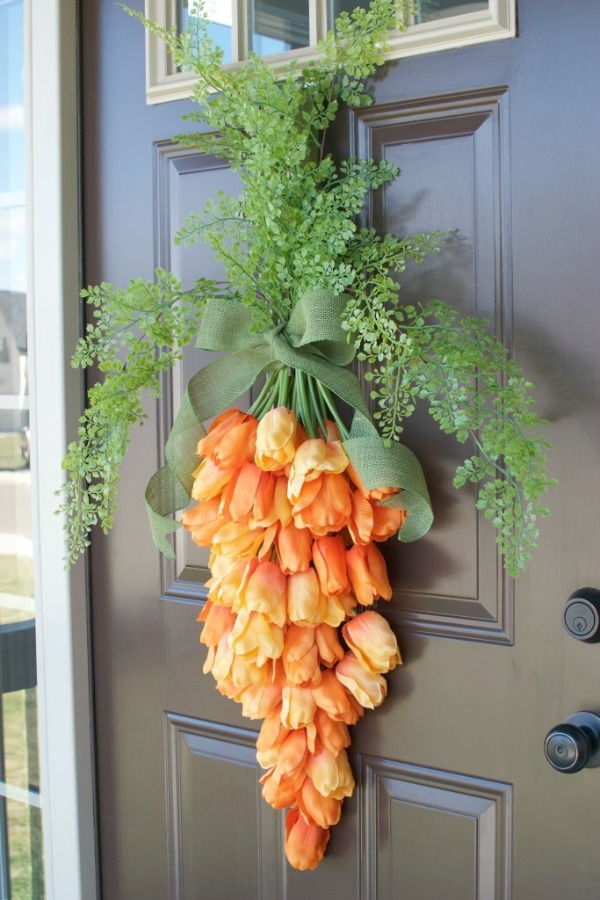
<point>574,745</point>
<point>581,616</point>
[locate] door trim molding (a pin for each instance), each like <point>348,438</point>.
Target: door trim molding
<point>53,317</point>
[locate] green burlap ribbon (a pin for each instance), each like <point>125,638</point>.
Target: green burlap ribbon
<point>312,341</point>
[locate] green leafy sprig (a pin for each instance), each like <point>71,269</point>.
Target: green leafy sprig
<point>293,228</point>
<point>149,324</point>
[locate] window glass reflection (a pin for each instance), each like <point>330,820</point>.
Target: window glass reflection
<point>276,26</point>
<point>21,856</point>
<point>220,14</point>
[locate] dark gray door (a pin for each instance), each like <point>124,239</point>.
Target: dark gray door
<point>455,799</point>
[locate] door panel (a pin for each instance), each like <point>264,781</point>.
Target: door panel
<point>454,797</point>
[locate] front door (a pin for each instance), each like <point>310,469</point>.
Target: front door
<point>455,799</point>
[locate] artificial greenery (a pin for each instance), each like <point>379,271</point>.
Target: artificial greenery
<point>294,228</point>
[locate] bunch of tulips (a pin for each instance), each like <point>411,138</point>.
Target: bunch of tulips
<point>294,564</point>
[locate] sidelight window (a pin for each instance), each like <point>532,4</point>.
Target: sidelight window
<point>280,30</point>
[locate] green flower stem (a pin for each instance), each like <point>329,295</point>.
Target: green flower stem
<point>306,411</point>
<point>259,407</point>
<point>330,404</point>
<point>316,404</point>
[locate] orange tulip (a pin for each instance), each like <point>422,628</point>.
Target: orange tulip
<point>368,574</point>
<point>210,480</point>
<point>313,458</point>
<point>329,557</point>
<point>231,439</point>
<point>331,508</point>
<point>380,493</point>
<point>331,775</point>
<point>373,642</point>
<point>298,706</point>
<point>276,440</point>
<point>316,809</point>
<point>263,589</point>
<point>332,735</point>
<point>255,633</point>
<point>220,659</point>
<point>304,844</point>
<point>360,525</point>
<point>203,521</point>
<point>291,762</point>
<point>300,655</point>
<point>217,620</point>
<point>306,604</point>
<point>329,647</point>
<point>237,500</point>
<point>278,794</point>
<point>294,549</point>
<point>367,688</point>
<point>332,697</point>
<point>386,521</point>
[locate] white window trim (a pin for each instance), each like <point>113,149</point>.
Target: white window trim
<point>62,626</point>
<point>164,84</point>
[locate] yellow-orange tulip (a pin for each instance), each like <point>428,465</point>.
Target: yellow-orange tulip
<point>259,701</point>
<point>220,659</point>
<point>203,521</point>
<point>306,604</point>
<point>294,549</point>
<point>298,706</point>
<point>276,440</point>
<point>210,480</point>
<point>329,647</point>
<point>316,809</point>
<point>231,439</point>
<point>313,458</point>
<point>373,642</point>
<point>368,574</point>
<point>226,580</point>
<point>367,688</point>
<point>332,697</point>
<point>246,670</point>
<point>300,655</point>
<point>270,737</point>
<point>263,589</point>
<point>338,609</point>
<point>329,557</point>
<point>331,508</point>
<point>331,775</point>
<point>254,632</point>
<point>237,501</point>
<point>237,541</point>
<point>304,844</point>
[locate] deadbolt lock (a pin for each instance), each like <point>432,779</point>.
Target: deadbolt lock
<point>581,616</point>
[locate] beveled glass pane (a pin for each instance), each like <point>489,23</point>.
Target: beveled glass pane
<point>443,9</point>
<point>275,26</point>
<point>21,857</point>
<point>220,29</point>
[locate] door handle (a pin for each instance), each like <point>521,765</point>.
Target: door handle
<point>575,744</point>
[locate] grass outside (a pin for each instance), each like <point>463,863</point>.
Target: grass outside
<point>10,451</point>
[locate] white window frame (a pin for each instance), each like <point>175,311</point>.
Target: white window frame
<point>163,83</point>
<point>62,625</point>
